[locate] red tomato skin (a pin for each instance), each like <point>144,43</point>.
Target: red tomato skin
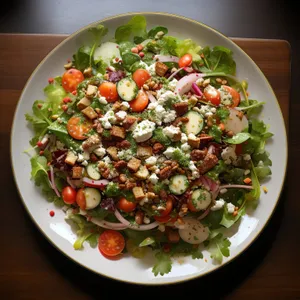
<point>140,76</point>
<point>185,61</point>
<point>140,102</point>
<point>80,199</point>
<point>68,195</point>
<point>126,206</point>
<point>191,206</point>
<point>169,207</point>
<point>70,79</point>
<point>109,91</point>
<point>111,242</point>
<point>212,95</point>
<point>78,129</point>
<point>236,98</point>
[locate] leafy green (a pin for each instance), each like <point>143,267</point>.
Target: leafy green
<point>252,107</point>
<point>168,45</point>
<point>93,240</point>
<point>125,47</point>
<point>152,33</point>
<point>129,59</point>
<point>234,175</point>
<point>181,158</point>
<point>223,113</point>
<point>216,133</point>
<point>137,236</point>
<point>98,212</point>
<point>163,264</point>
<point>81,59</point>
<point>135,27</point>
<point>239,138</point>
<point>98,32</point>
<point>215,172</point>
<point>188,46</point>
<point>112,190</point>
<point>255,193</point>
<point>81,239</point>
<point>196,253</point>
<point>158,187</point>
<point>262,171</point>
<point>219,247</point>
<point>213,219</point>
<point>219,59</point>
<point>229,219</point>
<point>147,241</point>
<point>160,137</point>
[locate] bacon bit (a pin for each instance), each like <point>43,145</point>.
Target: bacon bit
<point>117,59</point>
<point>236,208</point>
<point>247,180</point>
<point>64,107</point>
<point>265,189</point>
<point>41,152</point>
<point>222,126</point>
<point>235,213</point>
<point>39,144</point>
<point>166,248</point>
<point>74,92</point>
<point>51,213</point>
<point>50,80</point>
<point>49,163</point>
<point>40,105</point>
<point>67,100</point>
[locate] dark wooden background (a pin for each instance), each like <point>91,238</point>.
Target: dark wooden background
<point>31,268</point>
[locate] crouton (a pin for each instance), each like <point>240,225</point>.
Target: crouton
<point>129,121</point>
<point>138,193</point>
<point>142,173</point>
<point>181,108</point>
<point>90,112</point>
<point>118,133</point>
<point>134,164</point>
<point>91,143</point>
<point>71,158</point>
<point>194,142</point>
<point>91,91</point>
<point>161,69</point>
<point>144,152</point>
<point>83,103</point>
<point>113,152</point>
<point>77,172</point>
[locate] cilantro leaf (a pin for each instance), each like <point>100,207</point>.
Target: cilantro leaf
<point>223,113</point>
<point>219,247</point>
<point>216,133</point>
<point>196,253</point>
<point>229,219</point>
<point>147,241</point>
<point>255,193</point>
<point>163,264</point>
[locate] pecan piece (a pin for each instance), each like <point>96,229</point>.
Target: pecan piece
<point>208,163</point>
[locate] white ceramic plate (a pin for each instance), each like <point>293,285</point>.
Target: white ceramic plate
<point>130,269</point>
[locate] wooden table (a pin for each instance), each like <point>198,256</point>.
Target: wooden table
<point>31,268</point>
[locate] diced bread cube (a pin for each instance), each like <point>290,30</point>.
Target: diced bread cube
<point>83,103</point>
<point>71,158</point>
<point>138,193</point>
<point>90,112</point>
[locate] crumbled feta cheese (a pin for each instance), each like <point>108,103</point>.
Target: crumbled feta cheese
<point>184,138</point>
<point>143,131</point>
<point>159,114</point>
<point>84,163</point>
<point>102,100</point>
<point>170,116</point>
<point>226,98</point>
<point>208,114</point>
<point>100,151</point>
<point>229,155</point>
<point>106,159</point>
<point>151,69</point>
<point>247,157</point>
<point>146,220</point>
<point>171,131</point>
<point>223,191</point>
<point>165,97</point>
<point>125,154</point>
<point>206,109</point>
<point>121,114</point>
<point>80,158</point>
<point>247,172</point>
<point>113,173</point>
<point>161,227</point>
<point>151,160</point>
<point>218,205</point>
<point>172,84</point>
<point>105,123</point>
<point>199,81</point>
<point>86,155</point>
<point>191,136</point>
<point>60,145</point>
<point>108,119</point>
<point>185,147</point>
<point>195,171</point>
<point>169,152</point>
<point>213,110</point>
<point>125,105</point>
<point>152,105</point>
<point>161,158</point>
<point>230,208</point>
<point>153,178</point>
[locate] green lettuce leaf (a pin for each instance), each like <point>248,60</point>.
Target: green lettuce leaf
<point>152,32</point>
<point>163,264</point>
<point>188,46</point>
<point>229,219</point>
<point>216,133</point>
<point>239,138</point>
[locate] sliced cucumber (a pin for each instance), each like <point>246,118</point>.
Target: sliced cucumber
<point>127,89</point>
<point>201,199</point>
<point>92,198</point>
<point>178,184</point>
<point>106,52</point>
<point>193,232</point>
<point>195,123</point>
<point>92,171</point>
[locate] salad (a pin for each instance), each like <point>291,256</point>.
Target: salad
<point>150,143</point>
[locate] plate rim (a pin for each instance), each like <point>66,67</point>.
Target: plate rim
<point>198,23</point>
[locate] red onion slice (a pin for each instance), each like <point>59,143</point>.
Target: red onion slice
<point>188,69</point>
<point>135,227</point>
<point>53,185</point>
<point>185,83</point>
<point>235,186</point>
<point>204,214</point>
<point>173,74</point>
<point>196,89</point>
<point>166,58</point>
<point>95,183</point>
<point>70,182</point>
<point>151,97</point>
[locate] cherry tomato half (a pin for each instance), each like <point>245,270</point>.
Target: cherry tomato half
<point>78,128</point>
<point>190,205</point>
<point>109,91</point>
<point>168,206</point>
<point>165,219</point>
<point>140,76</point>
<point>111,242</point>
<point>212,95</point>
<point>185,60</point>
<point>69,195</point>
<point>140,102</point>
<point>236,98</point>
<point>71,79</point>
<point>126,205</point>
<point>80,199</point>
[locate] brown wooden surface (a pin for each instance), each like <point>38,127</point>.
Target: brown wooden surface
<point>31,268</point>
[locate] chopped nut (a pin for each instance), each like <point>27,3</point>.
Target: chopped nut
<point>165,172</point>
<point>117,132</point>
<point>91,91</point>
<point>208,163</point>
<point>144,151</point>
<point>218,80</point>
<point>197,154</point>
<point>161,69</point>
<point>146,87</point>
<point>142,173</point>
<point>139,217</point>
<point>91,143</point>
<point>206,82</point>
<point>150,195</point>
<point>138,193</point>
<point>113,152</point>
<point>129,121</point>
<point>71,158</point>
<point>88,72</point>
<point>173,70</point>
<point>116,106</point>
<point>181,108</point>
<point>77,172</point>
<point>194,142</point>
<point>123,178</point>
<point>54,117</point>
<point>120,165</point>
<point>265,189</point>
<point>68,66</point>
<point>224,81</point>
<point>83,103</point>
<point>158,147</point>
<point>134,164</point>
<point>90,112</point>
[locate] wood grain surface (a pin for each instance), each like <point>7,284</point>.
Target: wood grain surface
<point>31,268</point>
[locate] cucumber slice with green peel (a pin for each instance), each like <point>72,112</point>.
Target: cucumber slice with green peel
<point>201,199</point>
<point>194,124</point>
<point>92,171</point>
<point>92,198</point>
<point>127,89</point>
<point>178,184</point>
